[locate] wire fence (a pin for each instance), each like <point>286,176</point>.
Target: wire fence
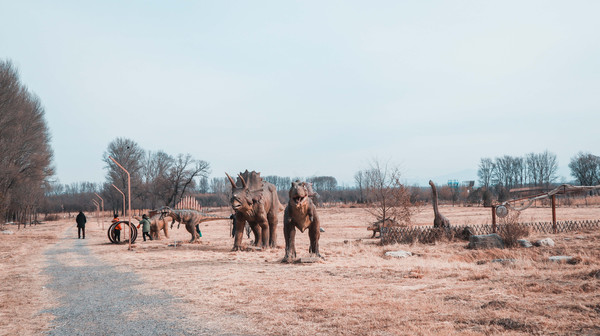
<point>427,234</point>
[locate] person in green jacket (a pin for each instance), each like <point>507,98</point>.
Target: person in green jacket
<point>145,223</point>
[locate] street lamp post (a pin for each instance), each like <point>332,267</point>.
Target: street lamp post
<point>128,197</point>
<point>122,194</point>
<point>102,220</point>
<point>97,210</point>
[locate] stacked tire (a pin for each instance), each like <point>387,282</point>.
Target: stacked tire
<point>111,232</point>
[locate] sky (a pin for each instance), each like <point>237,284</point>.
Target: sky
<point>305,88</point>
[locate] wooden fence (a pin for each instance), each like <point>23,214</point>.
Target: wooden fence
<point>427,234</point>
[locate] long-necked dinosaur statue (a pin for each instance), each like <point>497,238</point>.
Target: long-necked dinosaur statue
<point>190,218</point>
<point>439,219</point>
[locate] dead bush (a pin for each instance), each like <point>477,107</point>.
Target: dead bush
<point>510,230</point>
<point>510,233</point>
<point>52,217</point>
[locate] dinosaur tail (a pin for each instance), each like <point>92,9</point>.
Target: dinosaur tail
<point>208,217</point>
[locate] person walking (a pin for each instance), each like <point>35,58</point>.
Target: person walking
<point>80,219</point>
<point>145,223</point>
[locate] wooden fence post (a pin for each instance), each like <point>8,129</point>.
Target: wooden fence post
<point>493,219</point>
<point>554,213</point>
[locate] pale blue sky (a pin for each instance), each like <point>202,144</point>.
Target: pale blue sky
<point>302,88</point>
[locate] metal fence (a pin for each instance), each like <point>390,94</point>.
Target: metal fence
<point>428,234</point>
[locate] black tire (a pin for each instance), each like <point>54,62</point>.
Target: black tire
<point>111,232</point>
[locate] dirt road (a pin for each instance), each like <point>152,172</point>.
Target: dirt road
<point>96,299</point>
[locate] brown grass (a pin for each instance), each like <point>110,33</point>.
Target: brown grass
<point>22,280</point>
<point>443,288</point>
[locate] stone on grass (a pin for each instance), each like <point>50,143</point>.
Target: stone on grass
<point>398,254</point>
<point>560,258</point>
<point>524,243</point>
<point>488,241</point>
<point>565,259</point>
<point>504,261</point>
<point>544,242</point>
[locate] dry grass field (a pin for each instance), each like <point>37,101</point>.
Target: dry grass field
<point>443,289</point>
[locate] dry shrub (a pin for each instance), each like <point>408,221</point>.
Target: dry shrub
<point>475,277</point>
<point>52,217</point>
<point>511,233</point>
<point>511,230</point>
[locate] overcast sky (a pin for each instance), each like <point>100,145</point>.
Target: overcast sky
<point>302,88</point>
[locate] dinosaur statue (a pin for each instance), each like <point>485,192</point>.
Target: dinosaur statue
<point>439,220</point>
<point>300,213</point>
<point>190,218</point>
<point>157,223</point>
<point>254,201</point>
<point>375,227</point>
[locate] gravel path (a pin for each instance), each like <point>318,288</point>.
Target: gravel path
<point>95,299</point>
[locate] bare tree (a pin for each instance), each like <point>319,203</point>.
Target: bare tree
<point>486,172</point>
<point>585,167</point>
<point>203,185</point>
<point>508,171</point>
<point>548,168</point>
<point>25,161</point>
<point>182,175</point>
<point>389,199</point>
<point>323,183</point>
<point>131,156</point>
<point>280,182</point>
<point>360,180</point>
<point>221,188</point>
<point>156,178</point>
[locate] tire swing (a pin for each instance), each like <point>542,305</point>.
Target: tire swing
<point>111,232</point>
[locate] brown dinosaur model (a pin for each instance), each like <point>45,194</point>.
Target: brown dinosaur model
<point>439,220</point>
<point>300,213</point>
<point>375,227</point>
<point>254,201</point>
<point>190,218</point>
<point>157,223</point>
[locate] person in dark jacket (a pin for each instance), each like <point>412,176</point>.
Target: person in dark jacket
<point>80,225</point>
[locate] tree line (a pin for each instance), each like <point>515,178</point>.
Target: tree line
<point>159,178</point>
<point>25,153</point>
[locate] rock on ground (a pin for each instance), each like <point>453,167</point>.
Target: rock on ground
<point>524,243</point>
<point>486,241</point>
<point>544,242</point>
<point>398,254</point>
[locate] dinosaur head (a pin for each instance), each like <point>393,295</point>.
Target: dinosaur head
<point>298,193</point>
<point>165,210</point>
<point>241,197</point>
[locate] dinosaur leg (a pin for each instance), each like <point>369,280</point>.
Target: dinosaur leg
<point>374,232</point>
<point>239,233</point>
<point>314,234</point>
<point>192,230</point>
<point>166,230</point>
<point>255,231</point>
<point>264,233</point>
<point>272,219</point>
<point>289,234</point>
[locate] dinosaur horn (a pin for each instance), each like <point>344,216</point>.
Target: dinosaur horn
<point>243,182</point>
<point>231,180</point>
